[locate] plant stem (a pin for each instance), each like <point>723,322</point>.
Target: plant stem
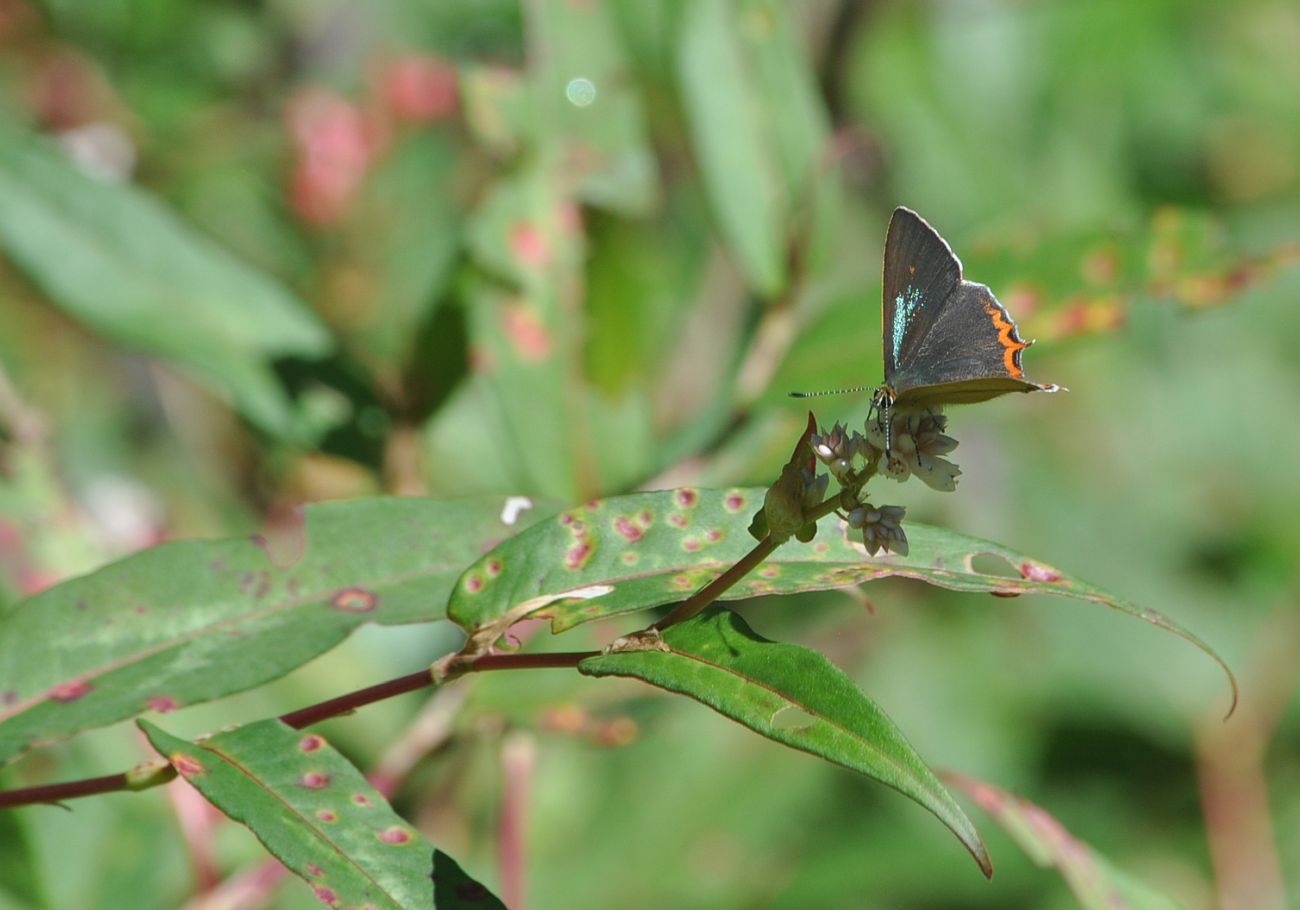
<point>746,564</point>
<point>303,717</point>
<point>56,793</point>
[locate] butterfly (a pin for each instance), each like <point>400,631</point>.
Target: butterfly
<point>946,340</point>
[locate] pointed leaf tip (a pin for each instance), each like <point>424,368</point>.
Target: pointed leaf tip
<point>718,660</point>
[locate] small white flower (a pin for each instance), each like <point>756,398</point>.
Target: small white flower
<point>881,528</point>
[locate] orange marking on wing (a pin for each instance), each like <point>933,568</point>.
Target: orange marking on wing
<point>1011,347</point>
<point>911,270</point>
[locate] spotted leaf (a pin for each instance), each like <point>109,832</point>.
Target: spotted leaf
<point>645,550</point>
<point>316,813</point>
<point>190,621</point>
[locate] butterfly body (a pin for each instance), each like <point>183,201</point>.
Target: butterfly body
<point>946,340</point>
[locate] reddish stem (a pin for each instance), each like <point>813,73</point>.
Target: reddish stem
<point>56,793</point>
<point>303,717</point>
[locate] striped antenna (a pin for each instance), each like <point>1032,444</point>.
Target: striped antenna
<point>859,388</point>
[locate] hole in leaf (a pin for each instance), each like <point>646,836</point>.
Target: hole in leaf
<point>792,718</point>
<point>994,565</point>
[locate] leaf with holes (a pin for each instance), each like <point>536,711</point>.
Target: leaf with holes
<point>633,552</point>
<point>190,621</point>
<point>717,659</point>
<point>313,810</point>
<point>1095,883</point>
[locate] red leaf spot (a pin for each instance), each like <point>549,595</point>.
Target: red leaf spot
<point>335,141</point>
<point>734,502</point>
<point>141,610</point>
<point>620,731</point>
<point>8,697</point>
<point>592,505</point>
<point>420,89</point>
<point>1072,319</point>
<point>821,547</point>
<point>575,557</point>
<point>355,600</point>
<point>81,604</point>
<point>646,519</point>
<point>314,780</point>
<point>530,338</point>
<point>690,544</point>
<point>686,498</point>
<point>473,584</point>
<point>325,895</point>
<point>629,557</point>
<point>362,800</point>
<point>713,535</point>
<point>326,815</point>
<point>1035,572</point>
<point>1022,299</point>
<point>567,518</point>
<point>162,704</point>
<point>1100,267</point>
<point>493,568</point>
<point>770,571</point>
<point>678,520</point>
<point>528,244</point>
<point>70,691</point>
<point>683,582</point>
<point>186,765</point>
<point>624,527</point>
<point>395,836</point>
<point>311,742</point>
<point>315,870</point>
<point>569,217</point>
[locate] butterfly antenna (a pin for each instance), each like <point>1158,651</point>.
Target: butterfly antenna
<point>860,388</point>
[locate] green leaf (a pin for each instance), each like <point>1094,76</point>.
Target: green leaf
<point>785,89</point>
<point>312,810</point>
<point>526,342</point>
<point>633,552</point>
<point>1065,285</point>
<point>401,244</point>
<point>791,695</point>
<point>585,108</point>
<point>190,621</point>
<point>120,263</point>
<point>453,889</point>
<point>1095,883</point>
<point>741,170</point>
<point>19,883</point>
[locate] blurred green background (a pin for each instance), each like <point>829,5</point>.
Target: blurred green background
<point>271,253</point>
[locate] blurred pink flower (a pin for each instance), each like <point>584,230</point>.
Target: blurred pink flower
<point>335,142</point>
<point>419,88</point>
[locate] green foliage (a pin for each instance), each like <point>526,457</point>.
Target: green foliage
<point>259,255</point>
<point>189,621</point>
<point>127,268</point>
<point>312,809</point>
<point>791,695</point>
